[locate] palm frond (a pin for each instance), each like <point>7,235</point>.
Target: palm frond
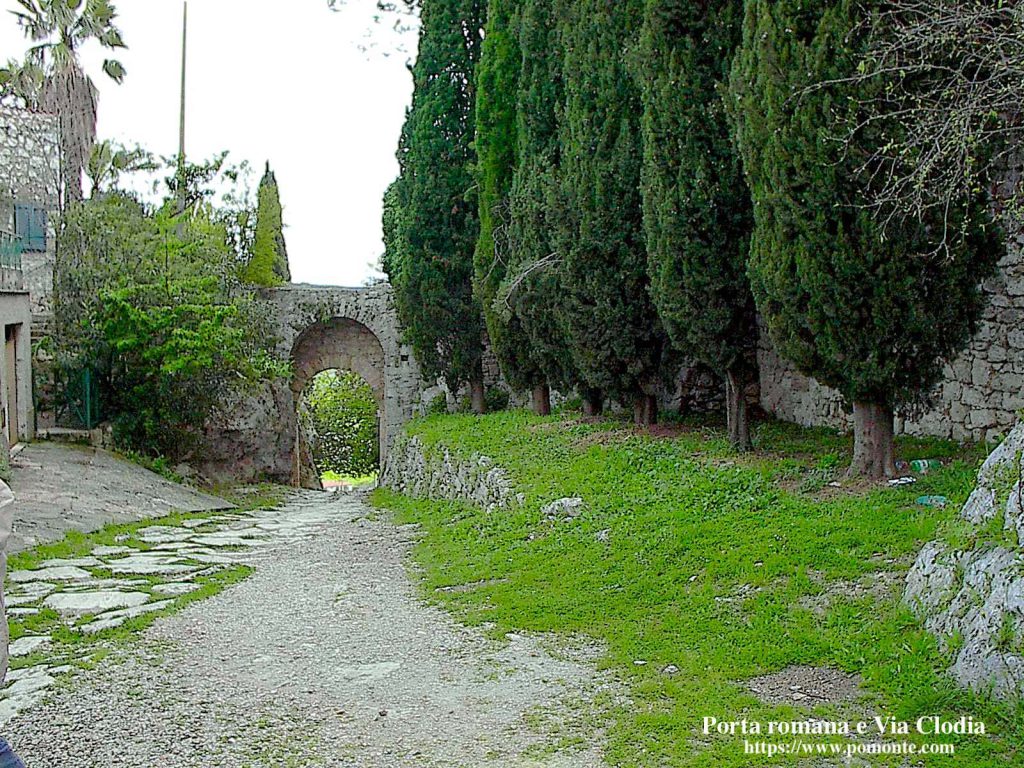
<point>114,70</point>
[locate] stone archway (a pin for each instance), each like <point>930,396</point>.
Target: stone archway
<point>317,328</point>
<point>342,344</point>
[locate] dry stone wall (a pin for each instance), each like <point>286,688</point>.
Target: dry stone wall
<point>979,397</point>
<point>437,473</point>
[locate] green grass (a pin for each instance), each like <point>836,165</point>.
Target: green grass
<point>353,480</point>
<point>685,526</point>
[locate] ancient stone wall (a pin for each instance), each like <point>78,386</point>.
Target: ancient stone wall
<point>979,397</point>
<point>437,473</point>
<point>30,172</point>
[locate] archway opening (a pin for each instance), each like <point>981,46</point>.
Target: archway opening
<point>340,423</point>
<point>354,353</point>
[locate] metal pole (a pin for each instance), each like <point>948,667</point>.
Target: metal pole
<point>181,128</point>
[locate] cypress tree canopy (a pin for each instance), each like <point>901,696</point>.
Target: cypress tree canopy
<point>269,262</point>
<point>532,288</point>
<point>433,271</point>
<point>615,334</point>
<point>697,208</point>
<point>496,149</point>
<point>869,312</point>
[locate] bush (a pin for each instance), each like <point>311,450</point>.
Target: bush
<point>151,303</point>
<point>438,406</point>
<point>341,414</point>
<point>496,399</point>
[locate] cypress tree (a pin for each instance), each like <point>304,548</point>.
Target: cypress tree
<point>496,148</point>
<point>268,264</point>
<point>532,288</point>
<point>697,207</point>
<point>615,334</point>
<point>433,278</point>
<point>869,312</point>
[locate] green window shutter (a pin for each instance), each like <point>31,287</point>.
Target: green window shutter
<point>30,225</point>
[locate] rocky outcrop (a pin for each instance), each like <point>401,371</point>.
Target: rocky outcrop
<point>436,473</point>
<point>973,599</point>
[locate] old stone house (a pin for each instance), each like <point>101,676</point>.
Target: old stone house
<point>29,203</point>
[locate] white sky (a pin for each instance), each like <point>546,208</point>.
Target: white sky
<point>269,80</point>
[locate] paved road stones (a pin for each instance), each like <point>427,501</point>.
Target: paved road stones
<point>146,579</point>
<point>27,645</point>
<point>82,603</point>
<point>61,487</point>
<point>325,656</point>
<point>61,573</point>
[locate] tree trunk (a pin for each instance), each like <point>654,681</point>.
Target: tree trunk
<point>873,454</point>
<point>736,411</point>
<point>645,410</point>
<point>542,399</point>
<point>478,396</point>
<point>593,403</point>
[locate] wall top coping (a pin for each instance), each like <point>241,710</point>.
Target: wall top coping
<point>382,287</point>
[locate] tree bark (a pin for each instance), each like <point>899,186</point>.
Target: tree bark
<point>736,411</point>
<point>645,410</point>
<point>542,399</point>
<point>593,403</point>
<point>873,453</point>
<point>478,396</point>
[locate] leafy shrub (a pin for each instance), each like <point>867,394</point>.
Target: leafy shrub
<point>497,399</point>
<point>151,303</point>
<point>341,414</point>
<point>438,405</point>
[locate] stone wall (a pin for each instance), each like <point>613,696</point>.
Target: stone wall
<point>436,473</point>
<point>30,172</point>
<point>973,599</point>
<point>983,388</point>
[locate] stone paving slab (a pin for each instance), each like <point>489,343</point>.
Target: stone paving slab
<point>58,488</point>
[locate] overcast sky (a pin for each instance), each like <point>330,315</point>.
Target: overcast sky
<point>269,80</point>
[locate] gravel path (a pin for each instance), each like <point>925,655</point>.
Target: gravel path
<point>323,657</point>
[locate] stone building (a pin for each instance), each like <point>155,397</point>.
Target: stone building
<point>16,411</point>
<point>30,175</point>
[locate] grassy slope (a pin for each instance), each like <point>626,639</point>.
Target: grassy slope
<point>689,524</point>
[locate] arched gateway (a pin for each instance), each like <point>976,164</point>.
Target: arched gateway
<point>318,328</point>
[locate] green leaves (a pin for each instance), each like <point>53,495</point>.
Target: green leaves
<point>268,264</point>
<point>432,225</point>
<point>114,70</point>
<point>341,413</point>
<point>151,303</point>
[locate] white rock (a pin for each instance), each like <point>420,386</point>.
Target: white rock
<point>63,573</point>
<point>27,645</point>
<point>567,508</point>
<point>117,618</point>
<point>94,602</point>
